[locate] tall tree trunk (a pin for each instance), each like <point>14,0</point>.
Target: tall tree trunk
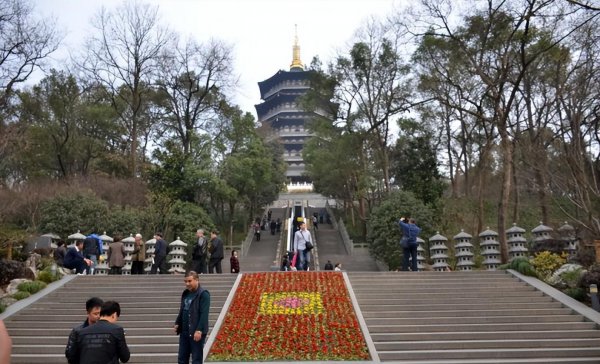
<point>454,190</point>
<point>507,157</point>
<point>481,187</point>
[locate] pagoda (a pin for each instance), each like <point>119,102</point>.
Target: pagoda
<point>281,115</point>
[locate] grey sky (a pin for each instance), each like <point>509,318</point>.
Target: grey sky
<point>261,31</point>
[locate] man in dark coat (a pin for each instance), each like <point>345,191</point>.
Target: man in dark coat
<point>200,253</point>
<point>92,248</point>
<point>160,255</point>
<point>92,307</point>
<point>74,258</point>
<point>192,322</point>
<point>408,243</point>
<point>59,253</point>
<point>216,253</point>
<point>103,342</point>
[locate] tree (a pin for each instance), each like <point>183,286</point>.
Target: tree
<point>25,42</point>
<point>122,57</point>
<point>66,129</point>
<point>497,45</point>
<point>384,233</point>
<point>415,166</point>
<point>69,213</point>
<point>372,88</point>
<point>191,81</point>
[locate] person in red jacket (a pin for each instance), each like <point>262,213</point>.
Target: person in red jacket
<point>234,262</point>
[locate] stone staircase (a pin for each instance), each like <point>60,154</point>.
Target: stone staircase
<point>424,318</point>
<point>149,306</point>
<point>261,254</point>
<point>470,317</point>
<point>331,247</point>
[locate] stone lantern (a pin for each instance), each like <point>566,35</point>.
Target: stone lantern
<point>490,249</point>
<point>103,268</point>
<point>421,254</point>
<point>128,245</point>
<point>542,238</point>
<point>177,256</point>
<point>567,236</point>
<point>517,244</point>
<point>463,251</point>
<point>439,250</point>
<point>78,236</point>
<point>149,253</point>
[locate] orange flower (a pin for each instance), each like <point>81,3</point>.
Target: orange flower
<point>290,316</point>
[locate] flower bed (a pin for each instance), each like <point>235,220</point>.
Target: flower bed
<point>290,316</point>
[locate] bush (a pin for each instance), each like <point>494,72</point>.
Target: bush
<point>10,269</point>
<point>521,265</point>
<point>2,307</point>
<point>383,231</point>
<point>577,293</point>
<point>46,276</point>
<point>31,287</point>
<point>21,295</point>
<point>546,263</point>
<point>46,263</point>
<point>591,277</point>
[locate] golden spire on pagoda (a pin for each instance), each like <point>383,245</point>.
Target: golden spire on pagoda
<point>296,62</point>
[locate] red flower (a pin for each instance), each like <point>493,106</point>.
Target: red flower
<point>290,316</point>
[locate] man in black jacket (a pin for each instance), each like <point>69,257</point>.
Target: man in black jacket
<point>92,307</point>
<point>216,253</point>
<point>160,255</point>
<point>192,322</point>
<point>102,343</point>
<point>74,258</point>
<point>200,253</point>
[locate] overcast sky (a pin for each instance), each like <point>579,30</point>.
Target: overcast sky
<point>261,31</point>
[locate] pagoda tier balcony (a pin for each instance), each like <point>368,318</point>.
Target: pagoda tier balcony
<point>284,80</point>
<point>293,158</point>
<point>295,171</point>
<point>288,87</point>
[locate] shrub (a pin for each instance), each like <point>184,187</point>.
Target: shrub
<point>521,265</point>
<point>10,269</point>
<point>591,277</point>
<point>46,276</point>
<point>46,263</point>
<point>21,295</point>
<point>32,287</point>
<point>577,293</point>
<point>546,263</point>
<point>2,307</point>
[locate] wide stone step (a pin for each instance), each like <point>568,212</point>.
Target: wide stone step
<point>544,303</point>
<point>127,324</point>
<point>420,301</point>
<point>466,313</point>
<point>490,354</point>
<point>54,319</point>
<point>170,347</point>
<point>78,311</point>
<point>474,320</point>
<point>483,327</point>
<point>437,286</point>
<point>488,344</point>
<point>162,358</point>
<point>64,331</point>
<point>131,339</point>
<point>451,295</point>
<point>479,335</point>
<point>399,291</point>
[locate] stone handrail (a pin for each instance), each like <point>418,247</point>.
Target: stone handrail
<point>348,243</point>
<point>341,228</point>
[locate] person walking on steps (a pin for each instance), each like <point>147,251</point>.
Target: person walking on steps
<point>408,243</point>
